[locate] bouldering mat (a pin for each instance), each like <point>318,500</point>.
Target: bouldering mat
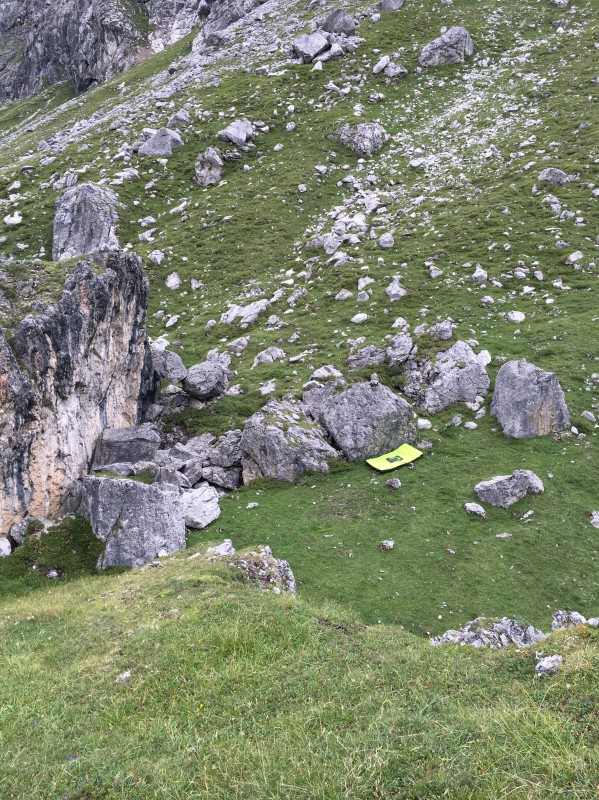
<point>403,455</point>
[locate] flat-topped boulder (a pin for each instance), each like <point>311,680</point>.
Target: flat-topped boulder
<point>127,445</point>
<point>505,490</point>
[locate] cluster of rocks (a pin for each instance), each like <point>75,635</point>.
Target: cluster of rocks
<point>500,633</point>
<point>331,40</point>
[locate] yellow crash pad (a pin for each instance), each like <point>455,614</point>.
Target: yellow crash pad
<point>403,455</point>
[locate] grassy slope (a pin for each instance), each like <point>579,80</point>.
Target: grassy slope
<point>235,693</point>
<point>456,226</point>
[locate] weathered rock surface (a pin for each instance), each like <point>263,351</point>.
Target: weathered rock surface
<point>79,367</point>
<point>137,522</point>
<point>209,167</point>
<point>548,665</point>
<point>206,381</point>
<point>505,490</point>
<point>127,445</point>
<point>168,365</point>
<point>340,22</point>
<point>554,176</point>
<point>85,222</point>
<point>281,442</point>
<point>365,138</point>
<point>364,421</point>
<point>57,41</point>
<point>528,401</point>
<point>452,47</point>
<point>309,45</point>
<point>495,634</point>
<point>239,132</point>
<point>458,375</point>
<point>160,143</point>
<point>566,619</point>
<point>261,567</point>
<point>200,506</point>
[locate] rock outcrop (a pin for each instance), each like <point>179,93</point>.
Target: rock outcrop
<point>452,47</point>
<point>364,421</point>
<point>281,442</point>
<point>136,521</point>
<point>85,222</point>
<point>528,401</point>
<point>457,375</point>
<point>494,634</point>
<point>81,366</point>
<point>505,490</point>
<point>365,138</point>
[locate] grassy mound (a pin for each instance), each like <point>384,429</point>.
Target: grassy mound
<point>183,682</point>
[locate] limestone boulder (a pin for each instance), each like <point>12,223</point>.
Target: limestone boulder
<point>281,442</point>
<point>505,490</point>
<point>136,521</point>
<point>528,401</point>
<point>127,445</point>
<point>200,506</point>
<point>85,222</point>
<point>365,138</point>
<point>160,143</point>
<point>206,381</point>
<point>452,47</point>
<point>364,421</point>
<point>209,167</point>
<point>340,22</point>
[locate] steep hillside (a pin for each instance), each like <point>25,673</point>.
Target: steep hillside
<point>342,289</point>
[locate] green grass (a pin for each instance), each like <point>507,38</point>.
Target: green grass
<point>69,547</point>
<point>236,693</point>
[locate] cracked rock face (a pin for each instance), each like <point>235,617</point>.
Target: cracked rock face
<point>364,421</point>
<point>281,442</point>
<point>81,366</point>
<point>528,401</point>
<point>85,222</point>
<point>85,43</point>
<point>453,47</point>
<point>505,490</point>
<point>494,634</point>
<point>137,522</point>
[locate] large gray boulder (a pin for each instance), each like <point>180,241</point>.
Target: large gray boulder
<point>209,167</point>
<point>136,521</point>
<point>85,222</point>
<point>505,490</point>
<point>206,381</point>
<point>200,506</point>
<point>240,132</point>
<point>492,633</point>
<point>528,401</point>
<point>457,375</point>
<point>309,45</point>
<point>161,143</point>
<point>281,442</point>
<point>364,421</point>
<point>340,22</point>
<point>127,445</point>
<point>168,365</point>
<point>388,5</point>
<point>452,47</point>
<point>553,176</point>
<point>365,138</point>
